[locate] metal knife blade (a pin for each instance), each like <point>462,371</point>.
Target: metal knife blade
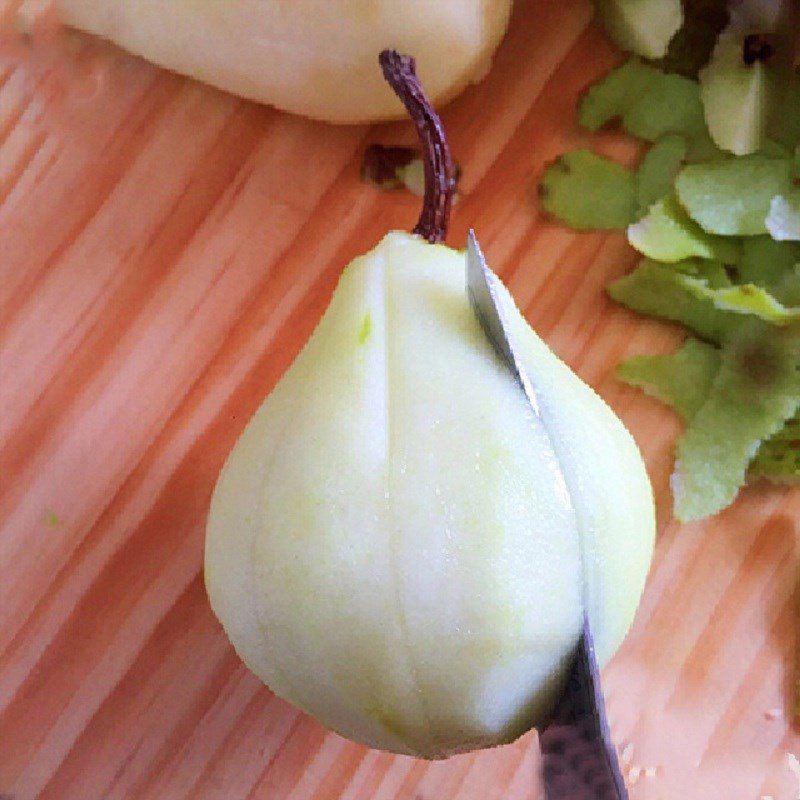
<point>579,759</point>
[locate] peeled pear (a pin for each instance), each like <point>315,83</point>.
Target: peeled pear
<point>305,56</point>
<point>399,545</point>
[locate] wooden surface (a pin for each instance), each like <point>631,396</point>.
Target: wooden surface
<point>165,250</point>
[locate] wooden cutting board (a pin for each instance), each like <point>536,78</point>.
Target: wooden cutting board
<point>165,250</point>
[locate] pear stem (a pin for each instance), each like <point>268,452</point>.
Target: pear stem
<point>440,174</point>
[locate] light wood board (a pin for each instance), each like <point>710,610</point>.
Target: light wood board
<point>165,250</point>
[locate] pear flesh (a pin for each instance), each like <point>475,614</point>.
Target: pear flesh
<point>309,57</point>
<point>399,544</point>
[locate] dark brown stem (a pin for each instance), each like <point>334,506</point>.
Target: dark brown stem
<point>440,173</point>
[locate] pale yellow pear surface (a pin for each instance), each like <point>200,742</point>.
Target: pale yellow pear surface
<point>312,57</point>
<point>399,545</point>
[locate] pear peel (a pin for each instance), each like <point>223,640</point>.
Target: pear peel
<point>736,96</point>
<point>391,545</point>
<point>644,27</point>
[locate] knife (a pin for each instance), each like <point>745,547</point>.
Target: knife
<point>578,756</point>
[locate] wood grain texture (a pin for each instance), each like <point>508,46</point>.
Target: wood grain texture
<point>165,250</point>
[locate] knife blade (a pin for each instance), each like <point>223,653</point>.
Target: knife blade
<point>578,756</point>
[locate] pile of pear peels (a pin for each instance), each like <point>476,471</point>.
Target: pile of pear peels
<point>714,209</point>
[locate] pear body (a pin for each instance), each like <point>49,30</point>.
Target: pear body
<point>313,58</point>
<point>399,545</point>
